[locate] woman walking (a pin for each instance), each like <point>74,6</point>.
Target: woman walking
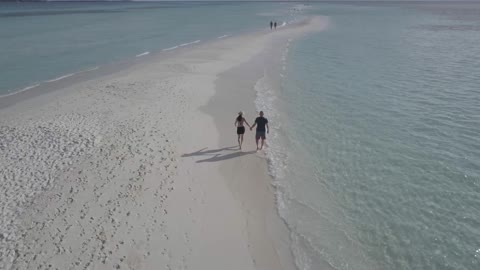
<point>240,128</point>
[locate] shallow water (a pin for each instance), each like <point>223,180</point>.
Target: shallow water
<point>41,42</point>
<point>380,138</point>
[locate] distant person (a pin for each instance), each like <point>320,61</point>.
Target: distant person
<point>271,25</point>
<point>262,127</point>
<point>240,128</point>
<point>275,25</point>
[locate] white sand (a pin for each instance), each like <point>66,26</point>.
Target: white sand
<point>134,170</point>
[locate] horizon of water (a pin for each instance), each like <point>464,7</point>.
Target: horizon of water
<point>49,41</point>
<point>376,160</point>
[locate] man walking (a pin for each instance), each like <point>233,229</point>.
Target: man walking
<point>271,25</point>
<point>262,127</point>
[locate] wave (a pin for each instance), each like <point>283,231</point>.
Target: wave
<point>276,154</point>
<point>181,45</point>
<point>53,80</point>
<point>60,78</point>
<point>90,69</point>
<point>142,54</point>
<point>169,49</point>
<point>189,43</point>
<point>97,67</point>
<point>19,91</point>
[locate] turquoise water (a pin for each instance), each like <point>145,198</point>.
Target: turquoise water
<point>45,41</point>
<point>377,155</point>
<point>380,125</point>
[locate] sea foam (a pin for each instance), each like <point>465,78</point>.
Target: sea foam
<point>60,78</point>
<point>143,54</point>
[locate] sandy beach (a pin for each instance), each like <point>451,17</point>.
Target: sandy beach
<point>140,168</point>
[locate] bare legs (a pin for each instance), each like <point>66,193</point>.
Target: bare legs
<point>240,140</point>
<point>261,145</point>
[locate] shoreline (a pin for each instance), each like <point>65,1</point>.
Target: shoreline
<point>246,171</point>
<point>39,88</point>
<point>128,170</point>
<point>109,67</point>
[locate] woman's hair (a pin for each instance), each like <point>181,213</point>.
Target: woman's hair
<point>240,116</point>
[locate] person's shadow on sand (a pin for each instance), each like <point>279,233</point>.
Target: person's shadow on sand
<point>205,152</point>
<point>217,155</point>
<point>220,157</point>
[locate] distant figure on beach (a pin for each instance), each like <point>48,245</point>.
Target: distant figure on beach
<point>271,25</point>
<point>275,25</point>
<point>262,127</point>
<point>240,128</point>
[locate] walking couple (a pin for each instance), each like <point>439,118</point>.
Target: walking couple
<point>262,128</point>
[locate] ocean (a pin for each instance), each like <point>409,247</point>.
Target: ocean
<point>375,147</point>
<point>45,42</point>
<point>376,156</point>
